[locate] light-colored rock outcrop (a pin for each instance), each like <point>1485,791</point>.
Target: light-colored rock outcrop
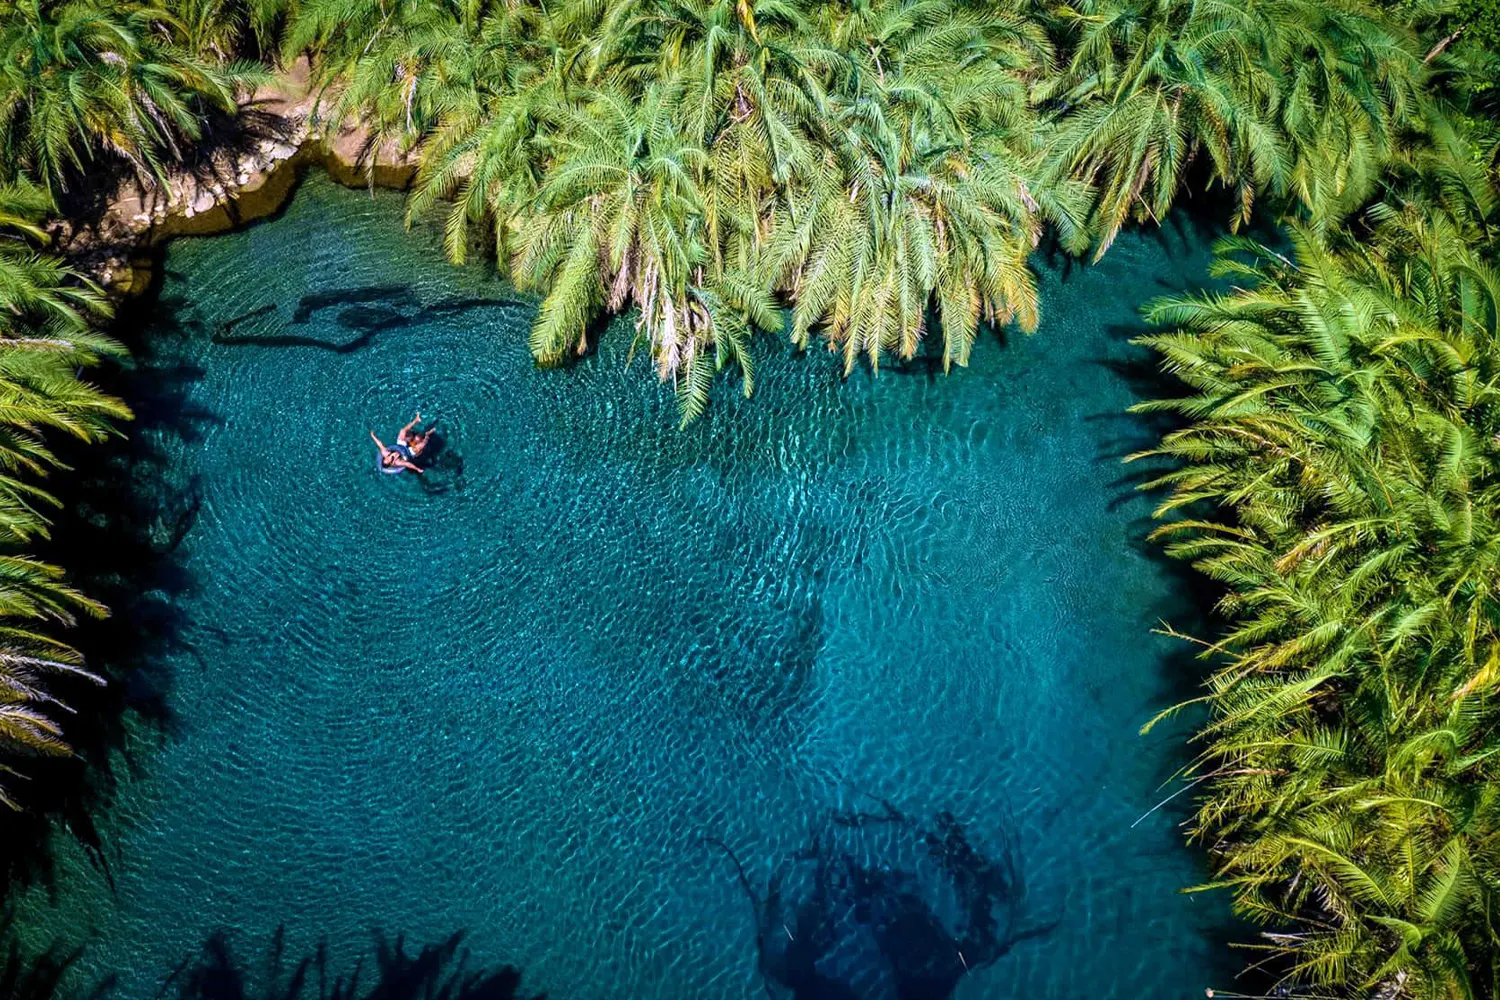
<point>238,186</point>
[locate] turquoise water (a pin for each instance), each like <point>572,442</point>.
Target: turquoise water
<point>835,693</point>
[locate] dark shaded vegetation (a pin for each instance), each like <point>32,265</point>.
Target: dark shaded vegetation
<point>122,518</point>
<point>879,172</point>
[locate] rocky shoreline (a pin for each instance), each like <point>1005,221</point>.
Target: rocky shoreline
<point>234,187</point>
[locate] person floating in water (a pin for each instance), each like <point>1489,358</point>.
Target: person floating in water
<point>410,443</point>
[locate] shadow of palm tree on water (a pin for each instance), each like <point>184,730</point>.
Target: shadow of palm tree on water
<point>440,971</point>
<point>37,977</point>
<point>883,906</point>
<point>124,515</point>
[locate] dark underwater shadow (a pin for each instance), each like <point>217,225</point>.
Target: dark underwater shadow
<point>366,311</point>
<point>1056,258</point>
<point>442,467</point>
<point>37,977</point>
<point>440,971</point>
<point>1188,603</point>
<point>882,906</point>
<point>444,970</point>
<point>927,363</point>
<point>1191,597</point>
<point>123,518</point>
<point>1200,219</point>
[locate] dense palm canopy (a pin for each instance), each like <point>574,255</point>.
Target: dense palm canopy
<point>85,80</point>
<point>878,169</point>
<point>1291,99</point>
<point>1338,475</point>
<point>881,167</point>
<point>45,335</point>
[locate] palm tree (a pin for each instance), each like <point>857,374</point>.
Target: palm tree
<point>928,192</point>
<point>864,258</point>
<point>45,336</point>
<point>481,154</point>
<point>1342,417</point>
<point>619,219</point>
<point>753,91</point>
<point>792,142</point>
<point>401,66</point>
<point>1287,98</point>
<point>1152,86</point>
<point>82,80</point>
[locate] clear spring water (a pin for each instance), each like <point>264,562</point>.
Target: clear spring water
<point>834,694</point>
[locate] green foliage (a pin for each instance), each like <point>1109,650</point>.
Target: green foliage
<point>1479,20</point>
<point>879,171</point>
<point>85,79</point>
<point>879,168</point>
<point>45,336</point>
<point>884,166</point>
<point>882,170</point>
<point>1291,99</point>
<point>1339,474</point>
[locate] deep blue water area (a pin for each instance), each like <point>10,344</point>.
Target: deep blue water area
<point>833,694</point>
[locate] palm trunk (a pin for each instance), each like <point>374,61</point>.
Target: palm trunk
<point>1437,49</point>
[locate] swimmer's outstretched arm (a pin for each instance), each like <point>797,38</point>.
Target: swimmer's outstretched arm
<point>408,465</point>
<point>378,443</point>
